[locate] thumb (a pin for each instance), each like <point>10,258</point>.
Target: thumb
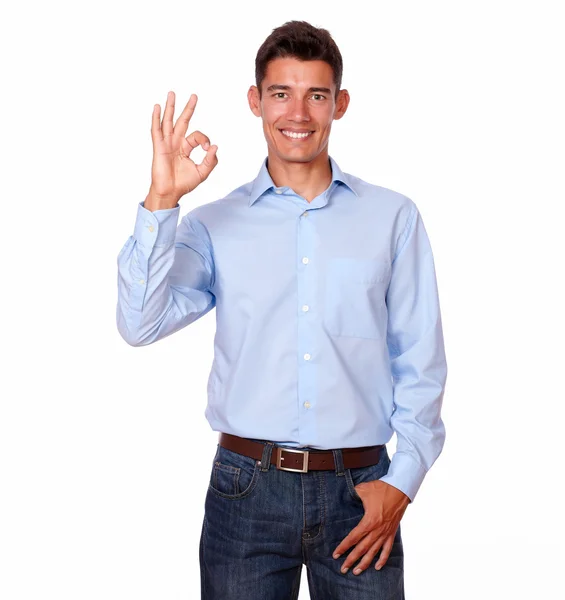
<point>208,163</point>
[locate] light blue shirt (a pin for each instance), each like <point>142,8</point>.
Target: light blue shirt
<point>328,325</point>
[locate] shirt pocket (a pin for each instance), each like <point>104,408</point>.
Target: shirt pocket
<point>355,297</point>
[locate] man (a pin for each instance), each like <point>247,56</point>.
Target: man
<point>329,338</point>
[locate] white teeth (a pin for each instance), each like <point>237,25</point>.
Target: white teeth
<point>295,135</point>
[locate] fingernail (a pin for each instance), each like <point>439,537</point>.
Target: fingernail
<point>337,555</point>
<point>357,571</point>
<point>205,145</point>
<point>345,569</point>
<point>379,567</point>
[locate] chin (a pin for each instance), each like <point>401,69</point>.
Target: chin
<point>298,156</point>
<point>299,159</point>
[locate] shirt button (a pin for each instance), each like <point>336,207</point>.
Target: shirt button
<point>305,213</point>
<point>305,308</point>
<point>278,191</point>
<point>142,281</point>
<point>307,404</point>
<point>151,228</point>
<point>307,356</point>
<point>305,260</point>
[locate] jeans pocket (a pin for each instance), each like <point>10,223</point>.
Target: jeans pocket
<point>233,475</point>
<point>355,476</point>
<point>355,297</point>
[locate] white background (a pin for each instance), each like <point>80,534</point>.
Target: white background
<point>457,105</point>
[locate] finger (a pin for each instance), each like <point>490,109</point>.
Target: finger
<point>156,133</point>
<point>385,552</point>
<point>184,119</point>
<point>187,146</point>
<point>208,163</point>
<point>353,537</point>
<point>197,138</point>
<point>358,552</point>
<point>167,126</point>
<point>369,556</point>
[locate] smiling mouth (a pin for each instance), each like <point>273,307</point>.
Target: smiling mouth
<point>296,136</point>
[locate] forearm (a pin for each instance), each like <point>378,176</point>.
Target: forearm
<point>162,284</point>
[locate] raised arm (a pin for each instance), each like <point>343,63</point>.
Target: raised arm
<point>165,273</point>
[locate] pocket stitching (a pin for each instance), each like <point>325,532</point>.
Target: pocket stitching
<point>358,270</point>
<point>351,486</point>
<point>343,272</point>
<point>234,471</point>
<point>246,492</point>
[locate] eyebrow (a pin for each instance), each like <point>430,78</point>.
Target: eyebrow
<point>278,86</point>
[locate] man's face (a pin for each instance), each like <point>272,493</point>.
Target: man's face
<point>298,96</point>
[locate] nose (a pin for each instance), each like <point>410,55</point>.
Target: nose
<point>298,110</point>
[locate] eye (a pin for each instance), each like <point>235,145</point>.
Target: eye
<point>280,94</point>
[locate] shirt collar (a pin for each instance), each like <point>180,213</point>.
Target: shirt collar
<point>264,182</point>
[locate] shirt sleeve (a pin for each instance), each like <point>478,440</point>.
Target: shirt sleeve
<point>417,358</point>
<point>165,275</point>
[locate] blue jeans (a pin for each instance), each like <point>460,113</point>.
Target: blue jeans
<point>262,524</point>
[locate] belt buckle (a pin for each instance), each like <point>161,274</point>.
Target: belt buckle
<point>305,453</point>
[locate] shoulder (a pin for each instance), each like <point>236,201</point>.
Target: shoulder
<point>396,201</point>
<point>220,208</point>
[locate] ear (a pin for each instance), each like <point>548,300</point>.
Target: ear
<point>341,104</point>
<point>254,102</point>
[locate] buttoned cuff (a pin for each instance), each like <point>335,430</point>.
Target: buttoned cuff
<point>405,474</point>
<point>156,228</point>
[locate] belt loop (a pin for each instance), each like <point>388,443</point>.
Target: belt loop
<point>338,459</point>
<point>266,458</point>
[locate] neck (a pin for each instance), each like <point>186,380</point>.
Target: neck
<point>307,179</point>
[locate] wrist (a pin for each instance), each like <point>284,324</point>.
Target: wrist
<point>154,201</point>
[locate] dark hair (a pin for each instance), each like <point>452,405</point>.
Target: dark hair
<point>303,41</point>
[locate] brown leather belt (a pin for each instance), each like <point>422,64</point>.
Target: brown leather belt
<point>302,461</point>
